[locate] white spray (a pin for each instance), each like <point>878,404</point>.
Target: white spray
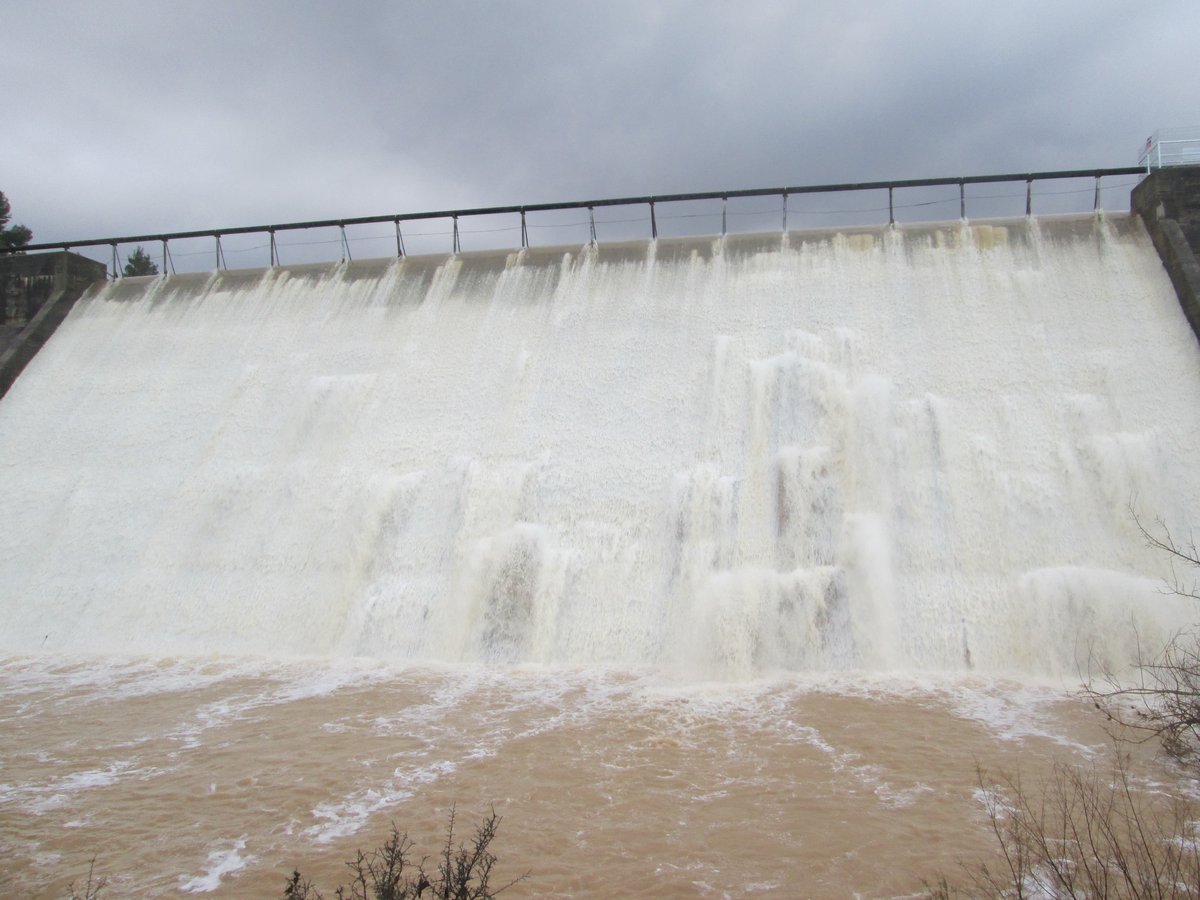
<point>909,448</point>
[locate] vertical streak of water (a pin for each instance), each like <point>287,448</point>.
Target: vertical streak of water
<point>905,448</point>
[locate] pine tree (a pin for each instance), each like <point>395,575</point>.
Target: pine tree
<point>140,263</point>
<point>17,235</point>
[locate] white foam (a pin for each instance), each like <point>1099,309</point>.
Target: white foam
<point>58,791</point>
<point>903,450</point>
<point>221,862</point>
<point>347,816</point>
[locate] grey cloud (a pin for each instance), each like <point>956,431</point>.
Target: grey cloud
<point>140,116</point>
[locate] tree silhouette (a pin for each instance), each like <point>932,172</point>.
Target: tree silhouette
<point>140,263</point>
<point>17,235</point>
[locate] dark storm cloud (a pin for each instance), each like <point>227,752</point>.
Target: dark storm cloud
<point>141,116</point>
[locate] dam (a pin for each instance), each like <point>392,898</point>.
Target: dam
<point>915,448</point>
<point>661,522</point>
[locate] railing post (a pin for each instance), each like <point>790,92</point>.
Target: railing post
<point>456,244</point>
<point>891,208</point>
<point>164,266</point>
<point>653,223</point>
<point>592,222</point>
<point>346,257</point>
<point>524,232</point>
<point>399,240</point>
<point>962,199</point>
<point>1096,201</point>
<point>785,212</point>
<point>274,251</point>
<point>116,271</point>
<point>1028,196</point>
<point>220,253</point>
<point>724,207</point>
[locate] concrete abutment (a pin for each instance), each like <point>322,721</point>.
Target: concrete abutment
<point>38,291</point>
<point>1168,202</point>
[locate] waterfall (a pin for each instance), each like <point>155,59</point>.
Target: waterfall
<point>908,448</point>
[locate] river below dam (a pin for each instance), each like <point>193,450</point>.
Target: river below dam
<point>187,776</point>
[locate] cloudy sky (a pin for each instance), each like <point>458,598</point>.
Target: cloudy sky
<point>133,117</point>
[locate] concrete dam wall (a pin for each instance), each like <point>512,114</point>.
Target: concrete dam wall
<point>909,448</point>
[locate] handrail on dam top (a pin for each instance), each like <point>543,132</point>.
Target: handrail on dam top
<point>590,205</point>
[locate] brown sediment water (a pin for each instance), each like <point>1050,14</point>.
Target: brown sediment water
<point>187,776</point>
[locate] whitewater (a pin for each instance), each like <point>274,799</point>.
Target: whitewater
<point>729,525</point>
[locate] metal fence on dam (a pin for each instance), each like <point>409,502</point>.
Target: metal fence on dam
<point>620,218</point>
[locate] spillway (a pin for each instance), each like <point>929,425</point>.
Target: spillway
<point>716,567</point>
<point>910,448</point>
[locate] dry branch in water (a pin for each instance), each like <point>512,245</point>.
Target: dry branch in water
<point>92,888</point>
<point>1083,833</point>
<point>388,873</point>
<point>1094,835</point>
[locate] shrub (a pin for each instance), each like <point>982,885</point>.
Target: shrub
<point>1162,700</point>
<point>388,873</point>
<point>1084,833</point>
<point>92,887</point>
<point>1088,835</point>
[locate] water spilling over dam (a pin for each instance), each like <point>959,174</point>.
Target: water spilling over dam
<point>909,448</point>
<point>716,566</point>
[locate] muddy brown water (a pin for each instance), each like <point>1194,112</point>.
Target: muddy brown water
<point>221,776</point>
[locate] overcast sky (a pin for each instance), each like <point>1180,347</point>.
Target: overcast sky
<point>127,117</point>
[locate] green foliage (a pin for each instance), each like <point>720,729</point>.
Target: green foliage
<point>17,235</point>
<point>140,263</point>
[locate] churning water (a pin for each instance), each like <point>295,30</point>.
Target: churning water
<point>714,563</point>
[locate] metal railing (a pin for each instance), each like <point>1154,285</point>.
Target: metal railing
<point>1171,147</point>
<point>524,212</point>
